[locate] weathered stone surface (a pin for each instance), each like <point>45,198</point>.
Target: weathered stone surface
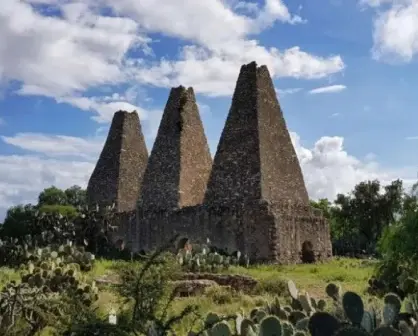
<point>180,162</point>
<point>192,287</point>
<point>267,232</point>
<point>252,199</point>
<point>118,174</point>
<point>236,281</point>
<point>255,158</point>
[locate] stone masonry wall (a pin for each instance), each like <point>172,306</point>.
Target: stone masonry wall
<point>265,231</point>
<point>252,198</point>
<point>180,162</point>
<point>236,170</point>
<point>255,158</point>
<point>281,175</point>
<point>119,171</point>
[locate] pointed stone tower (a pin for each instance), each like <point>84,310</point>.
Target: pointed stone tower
<point>118,174</point>
<point>180,162</point>
<point>255,158</point>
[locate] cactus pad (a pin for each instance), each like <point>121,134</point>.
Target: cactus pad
<point>333,291</point>
<point>270,326</point>
<point>323,324</point>
<point>351,331</point>
<point>353,307</point>
<point>293,291</point>
<point>221,329</point>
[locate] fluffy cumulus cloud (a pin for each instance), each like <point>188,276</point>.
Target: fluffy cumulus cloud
<point>66,55</point>
<point>395,29</point>
<point>64,161</point>
<point>328,168</point>
<point>71,50</point>
<point>23,177</point>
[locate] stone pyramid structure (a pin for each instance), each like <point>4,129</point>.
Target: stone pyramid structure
<point>180,162</point>
<point>252,198</point>
<point>255,158</point>
<point>118,174</point>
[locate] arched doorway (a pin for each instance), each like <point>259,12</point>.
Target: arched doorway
<point>308,254</point>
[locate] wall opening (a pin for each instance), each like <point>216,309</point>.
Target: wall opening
<point>308,254</point>
<point>183,244</point>
<point>120,244</point>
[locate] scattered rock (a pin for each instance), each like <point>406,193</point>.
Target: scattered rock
<point>108,279</point>
<point>195,283</point>
<point>192,287</point>
<point>242,283</point>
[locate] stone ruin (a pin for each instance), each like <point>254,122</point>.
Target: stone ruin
<point>251,197</point>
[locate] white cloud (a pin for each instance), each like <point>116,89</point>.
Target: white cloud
<point>60,56</point>
<point>285,92</point>
<point>395,34</point>
<point>214,72</point>
<point>328,89</point>
<point>249,7</point>
<point>56,145</point>
<point>204,23</point>
<point>374,3</point>
<point>24,177</point>
<point>328,169</point>
<point>66,57</point>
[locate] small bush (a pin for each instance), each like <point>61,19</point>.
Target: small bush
<point>221,295</point>
<point>271,285</point>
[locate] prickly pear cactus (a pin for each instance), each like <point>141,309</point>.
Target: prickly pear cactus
<point>200,259</point>
<point>353,307</point>
<point>347,318</point>
<point>270,326</point>
<point>47,280</point>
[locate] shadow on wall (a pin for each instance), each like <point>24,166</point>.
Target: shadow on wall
<point>308,255</point>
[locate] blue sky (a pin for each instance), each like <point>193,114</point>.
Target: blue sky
<point>345,73</point>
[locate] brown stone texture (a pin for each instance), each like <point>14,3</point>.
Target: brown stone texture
<point>255,158</point>
<point>180,162</point>
<point>267,232</point>
<point>118,174</point>
<point>252,198</point>
<point>243,283</point>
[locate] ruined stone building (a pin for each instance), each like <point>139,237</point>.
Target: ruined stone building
<point>251,197</point>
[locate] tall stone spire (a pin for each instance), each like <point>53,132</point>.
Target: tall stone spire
<point>180,162</point>
<point>255,158</point>
<point>118,174</point>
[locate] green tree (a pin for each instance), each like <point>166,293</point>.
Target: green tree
<point>324,205</point>
<point>64,210</point>
<point>21,220</point>
<point>76,196</point>
<point>52,196</point>
<point>361,216</point>
<point>18,221</point>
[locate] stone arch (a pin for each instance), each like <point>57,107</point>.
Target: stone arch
<point>308,254</point>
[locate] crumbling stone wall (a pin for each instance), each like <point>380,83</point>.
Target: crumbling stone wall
<point>180,161</point>
<point>267,232</point>
<point>118,174</point>
<point>255,158</point>
<point>295,225</point>
<point>252,198</point>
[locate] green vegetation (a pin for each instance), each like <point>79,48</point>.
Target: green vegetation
<point>60,275</point>
<point>351,274</point>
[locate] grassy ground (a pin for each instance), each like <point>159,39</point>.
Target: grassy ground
<point>351,274</point>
